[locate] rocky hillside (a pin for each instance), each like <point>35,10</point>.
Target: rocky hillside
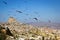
<point>14,30</point>
<point>16,27</point>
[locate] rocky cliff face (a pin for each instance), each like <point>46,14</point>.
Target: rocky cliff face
<point>16,27</point>
<point>12,20</point>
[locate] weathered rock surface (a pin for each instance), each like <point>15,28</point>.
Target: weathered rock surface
<point>16,28</point>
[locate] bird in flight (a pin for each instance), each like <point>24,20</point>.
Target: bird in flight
<point>35,18</point>
<point>5,2</point>
<point>18,11</point>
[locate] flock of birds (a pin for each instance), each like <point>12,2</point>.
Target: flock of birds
<point>19,11</point>
<point>6,30</point>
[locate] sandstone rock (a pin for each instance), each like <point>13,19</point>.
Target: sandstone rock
<point>18,28</point>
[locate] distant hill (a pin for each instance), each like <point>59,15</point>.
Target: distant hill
<point>43,24</point>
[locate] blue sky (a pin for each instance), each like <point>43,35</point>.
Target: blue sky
<point>44,10</point>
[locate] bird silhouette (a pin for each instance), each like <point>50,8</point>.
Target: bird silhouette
<point>18,11</point>
<point>5,2</point>
<point>35,18</point>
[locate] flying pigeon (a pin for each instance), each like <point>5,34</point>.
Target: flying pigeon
<point>18,11</point>
<point>35,18</point>
<point>4,2</point>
